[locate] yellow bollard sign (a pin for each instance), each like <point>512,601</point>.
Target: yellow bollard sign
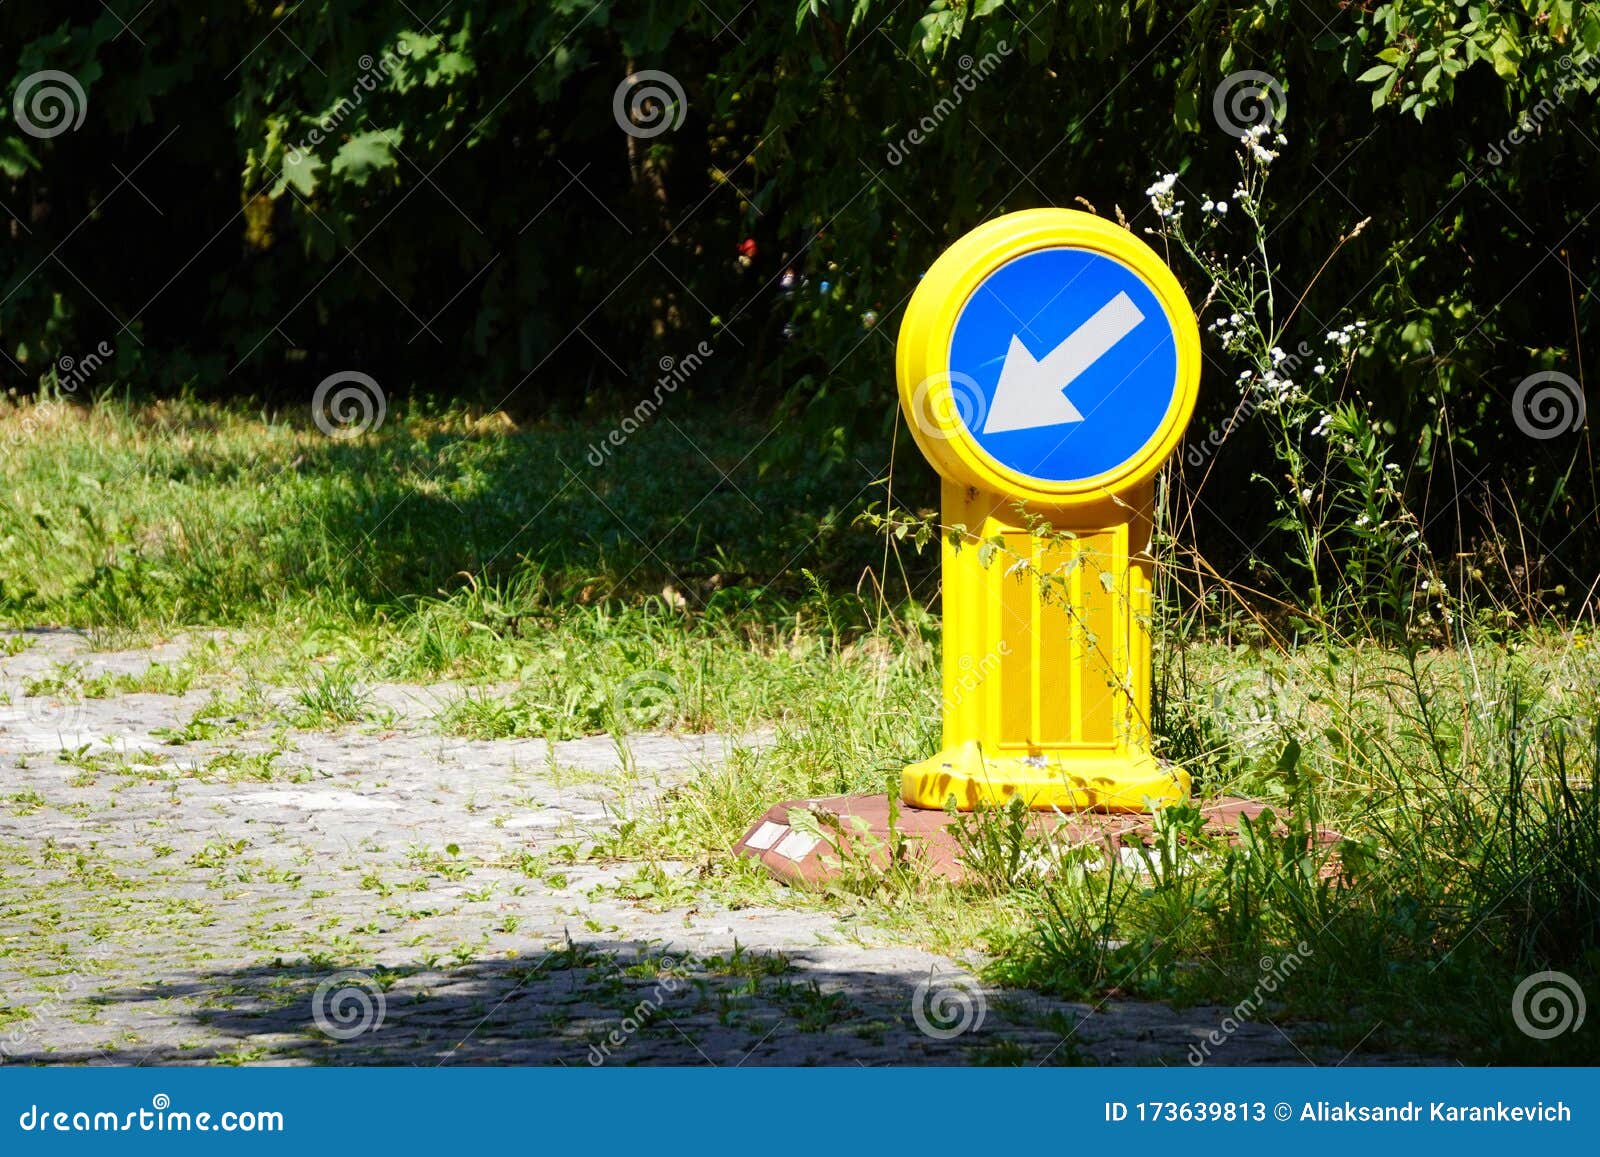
<point>1048,364</point>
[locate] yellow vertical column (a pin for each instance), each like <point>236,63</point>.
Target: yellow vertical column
<point>1046,658</point>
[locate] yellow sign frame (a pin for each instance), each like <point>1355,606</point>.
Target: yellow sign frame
<point>1047,654</point>
<point>922,354</point>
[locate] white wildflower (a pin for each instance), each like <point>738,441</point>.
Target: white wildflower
<point>1162,187</point>
<point>1161,198</point>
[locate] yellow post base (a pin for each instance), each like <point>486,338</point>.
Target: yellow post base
<point>1113,783</point>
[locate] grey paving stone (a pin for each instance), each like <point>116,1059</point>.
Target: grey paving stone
<point>154,912</point>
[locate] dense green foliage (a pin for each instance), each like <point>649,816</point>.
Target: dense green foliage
<point>260,194</point>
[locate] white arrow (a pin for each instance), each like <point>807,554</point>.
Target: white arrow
<point>1031,390</point>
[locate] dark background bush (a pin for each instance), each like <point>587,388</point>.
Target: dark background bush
<point>478,226</point>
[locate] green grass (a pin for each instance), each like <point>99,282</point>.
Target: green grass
<point>158,517</point>
<point>653,594</point>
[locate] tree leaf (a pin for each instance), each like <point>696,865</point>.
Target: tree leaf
<point>300,170</point>
<point>363,155</point>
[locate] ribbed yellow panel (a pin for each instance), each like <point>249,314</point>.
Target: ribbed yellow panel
<point>1058,630</point>
<point>1042,659</point>
<point>1139,660</point>
<point>1054,682</point>
<point>1019,636</point>
<point>1102,619</point>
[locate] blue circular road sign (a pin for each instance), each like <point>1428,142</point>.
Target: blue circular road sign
<point>1071,361</point>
